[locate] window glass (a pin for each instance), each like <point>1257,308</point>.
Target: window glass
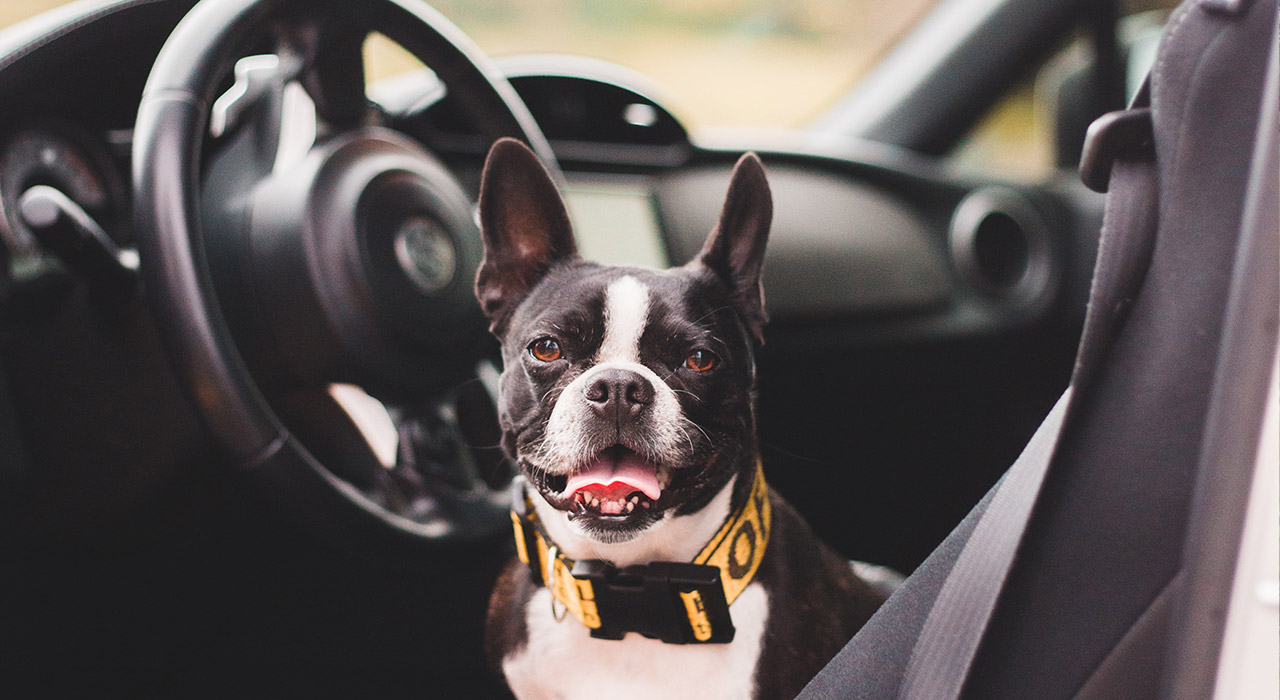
<point>735,63</point>
<point>721,63</point>
<point>14,11</point>
<point>1012,139</point>
<point>1015,138</point>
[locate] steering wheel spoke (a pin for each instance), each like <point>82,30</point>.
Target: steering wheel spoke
<point>329,54</point>
<point>434,461</point>
<point>449,462</point>
<point>453,439</point>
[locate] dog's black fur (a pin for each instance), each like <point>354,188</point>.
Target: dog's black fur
<point>533,285</point>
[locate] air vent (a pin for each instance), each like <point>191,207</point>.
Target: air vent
<point>1000,247</point>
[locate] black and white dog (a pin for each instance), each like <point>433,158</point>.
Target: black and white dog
<point>654,562</point>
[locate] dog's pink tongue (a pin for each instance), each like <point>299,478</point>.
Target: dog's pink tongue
<point>630,471</point>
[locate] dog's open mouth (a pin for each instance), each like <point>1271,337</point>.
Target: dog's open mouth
<point>617,482</point>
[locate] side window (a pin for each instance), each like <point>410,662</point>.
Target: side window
<point>1012,139</point>
<point>1038,126</point>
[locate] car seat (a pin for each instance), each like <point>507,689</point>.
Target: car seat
<point>1098,567</point>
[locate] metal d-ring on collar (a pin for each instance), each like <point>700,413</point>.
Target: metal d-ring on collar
<point>552,553</point>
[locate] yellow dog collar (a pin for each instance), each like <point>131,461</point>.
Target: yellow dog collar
<point>677,602</point>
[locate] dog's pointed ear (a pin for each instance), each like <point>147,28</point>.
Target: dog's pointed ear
<point>735,249</point>
<point>524,226</point>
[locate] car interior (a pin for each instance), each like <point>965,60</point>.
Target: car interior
<point>248,442</point>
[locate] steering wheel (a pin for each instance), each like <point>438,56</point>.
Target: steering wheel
<point>273,279</point>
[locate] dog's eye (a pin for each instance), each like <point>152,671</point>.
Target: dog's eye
<point>545,349</point>
<point>701,360</point>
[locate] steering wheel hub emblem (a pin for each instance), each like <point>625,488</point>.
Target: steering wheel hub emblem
<point>426,253</point>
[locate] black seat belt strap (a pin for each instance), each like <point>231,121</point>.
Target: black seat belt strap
<point>943,654</point>
<point>949,640</point>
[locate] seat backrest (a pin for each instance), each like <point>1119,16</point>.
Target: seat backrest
<point>1106,542</point>
<point>1085,607</point>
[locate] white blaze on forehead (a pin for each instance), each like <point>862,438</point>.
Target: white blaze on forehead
<point>567,446</point>
<point>626,311</point>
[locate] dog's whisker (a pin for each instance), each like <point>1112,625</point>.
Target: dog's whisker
<point>699,428</point>
<point>688,438</point>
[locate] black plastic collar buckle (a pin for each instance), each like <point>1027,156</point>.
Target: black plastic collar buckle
<point>672,602</point>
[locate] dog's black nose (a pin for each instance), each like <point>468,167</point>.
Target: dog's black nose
<point>619,390</point>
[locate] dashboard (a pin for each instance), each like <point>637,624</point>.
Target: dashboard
<point>912,308</point>
<point>891,244</point>
<point>88,168</point>
<point>899,244</point>
<point>66,131</point>
<point>896,274</point>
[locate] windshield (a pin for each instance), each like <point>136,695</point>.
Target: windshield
<point>718,63</point>
<point>721,63</point>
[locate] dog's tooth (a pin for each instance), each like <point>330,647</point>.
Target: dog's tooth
<point>645,504</point>
<point>631,506</point>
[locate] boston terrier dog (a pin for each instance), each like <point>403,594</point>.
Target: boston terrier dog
<point>653,560</point>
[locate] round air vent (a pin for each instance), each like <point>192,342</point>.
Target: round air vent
<point>1000,246</point>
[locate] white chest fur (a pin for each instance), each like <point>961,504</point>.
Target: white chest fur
<point>563,662</point>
